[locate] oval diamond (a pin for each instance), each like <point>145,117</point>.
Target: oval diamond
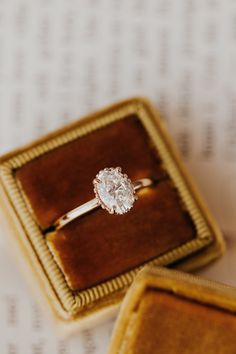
<point>114,190</point>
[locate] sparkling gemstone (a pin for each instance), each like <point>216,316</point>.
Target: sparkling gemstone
<point>114,190</point>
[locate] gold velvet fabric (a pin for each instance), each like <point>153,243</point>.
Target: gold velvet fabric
<point>99,246</point>
<point>167,323</point>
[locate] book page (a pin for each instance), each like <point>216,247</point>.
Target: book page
<point>60,60</point>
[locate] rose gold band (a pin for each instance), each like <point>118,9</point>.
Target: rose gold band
<point>93,204</point>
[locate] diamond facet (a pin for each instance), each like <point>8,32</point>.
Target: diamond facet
<point>114,190</point>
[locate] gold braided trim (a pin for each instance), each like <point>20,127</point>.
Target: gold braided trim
<point>72,302</point>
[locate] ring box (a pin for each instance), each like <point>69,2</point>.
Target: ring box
<point>84,269</point>
<point>167,311</point>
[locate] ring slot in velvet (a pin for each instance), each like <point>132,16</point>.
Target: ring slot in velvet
<point>99,246</point>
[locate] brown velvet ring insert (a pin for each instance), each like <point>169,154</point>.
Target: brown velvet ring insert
<point>99,246</point>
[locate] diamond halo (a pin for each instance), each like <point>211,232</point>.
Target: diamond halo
<point>114,190</point>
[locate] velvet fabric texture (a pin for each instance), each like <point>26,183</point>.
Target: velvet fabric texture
<point>167,323</point>
<point>99,246</point>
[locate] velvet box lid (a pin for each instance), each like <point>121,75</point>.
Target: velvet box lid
<point>167,311</point>
<point>84,270</point>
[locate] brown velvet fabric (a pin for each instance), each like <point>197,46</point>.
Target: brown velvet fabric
<point>166,323</point>
<point>62,179</point>
<point>99,246</point>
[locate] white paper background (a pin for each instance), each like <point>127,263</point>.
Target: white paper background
<point>62,59</point>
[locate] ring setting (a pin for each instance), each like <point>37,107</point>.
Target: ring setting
<point>114,192</point>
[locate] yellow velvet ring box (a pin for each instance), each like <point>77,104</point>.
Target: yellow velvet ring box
<point>85,268</point>
<point>167,311</point>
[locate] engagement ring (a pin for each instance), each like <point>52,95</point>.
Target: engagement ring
<point>114,192</point>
